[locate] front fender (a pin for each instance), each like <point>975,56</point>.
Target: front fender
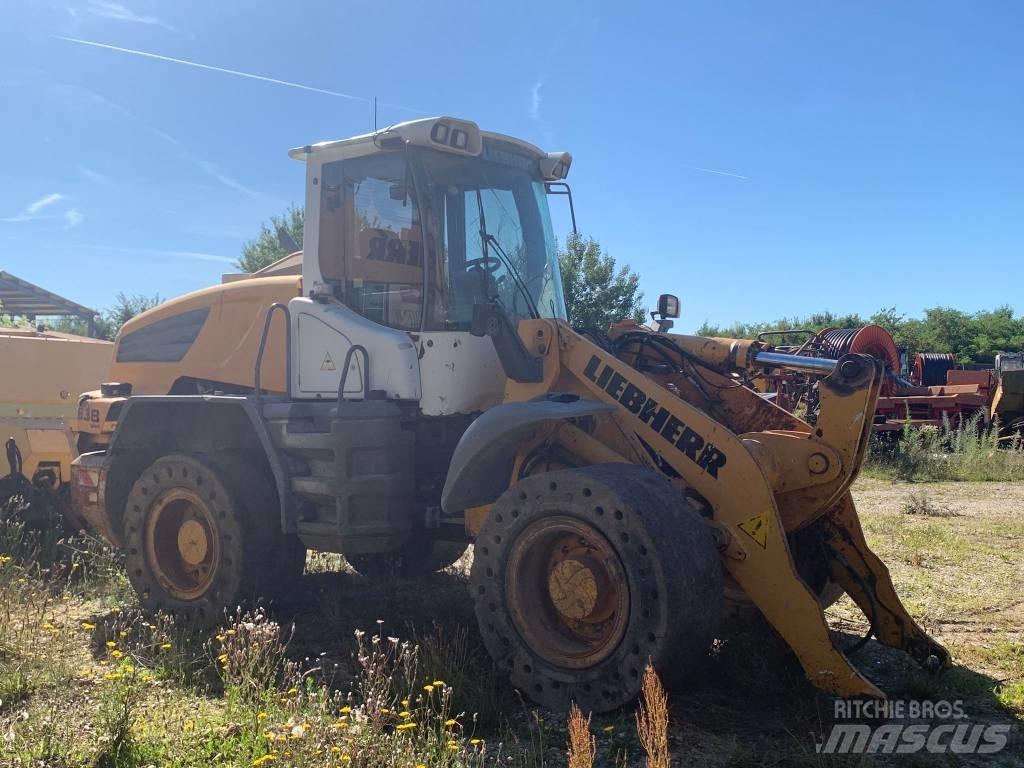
<point>482,464</point>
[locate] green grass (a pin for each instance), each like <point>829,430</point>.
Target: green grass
<point>969,452</point>
<point>87,680</point>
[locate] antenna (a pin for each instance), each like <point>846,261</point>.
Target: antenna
<point>375,114</point>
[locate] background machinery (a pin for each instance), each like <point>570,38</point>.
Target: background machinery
<point>42,373</point>
<point>935,391</point>
<point>417,387</point>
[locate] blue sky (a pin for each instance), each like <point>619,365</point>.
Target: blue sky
<point>759,159</point>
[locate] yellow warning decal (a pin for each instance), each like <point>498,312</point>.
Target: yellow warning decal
<point>757,529</point>
<point>328,363</point>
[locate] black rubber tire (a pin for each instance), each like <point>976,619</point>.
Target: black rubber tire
<point>281,576</point>
<point>671,566</point>
<point>244,535</point>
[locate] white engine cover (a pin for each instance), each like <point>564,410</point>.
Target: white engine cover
<point>323,333</point>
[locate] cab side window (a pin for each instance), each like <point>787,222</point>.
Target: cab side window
<point>371,239</point>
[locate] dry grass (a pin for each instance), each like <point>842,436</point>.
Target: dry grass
<point>652,720</point>
<point>582,744</point>
<point>256,691</point>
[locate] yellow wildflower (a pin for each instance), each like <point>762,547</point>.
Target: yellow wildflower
<point>264,759</point>
<point>428,688</point>
<point>450,723</point>
<point>189,725</point>
<point>608,728</point>
<point>123,633</point>
<point>261,715</point>
<point>405,726</point>
<point>292,691</point>
<point>474,742</point>
<point>113,676</point>
<point>223,658</point>
<point>405,702</point>
<point>87,626</point>
<point>116,654</point>
<point>231,632</point>
<point>222,638</point>
<point>336,749</point>
<point>439,683</point>
<point>405,714</point>
<point>165,646</point>
<point>452,744</point>
<point>346,709</point>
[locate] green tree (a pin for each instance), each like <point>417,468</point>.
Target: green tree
<point>266,248</point>
<point>970,337</point>
<point>596,294</point>
<point>108,323</point>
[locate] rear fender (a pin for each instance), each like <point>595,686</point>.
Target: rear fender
<point>151,426</point>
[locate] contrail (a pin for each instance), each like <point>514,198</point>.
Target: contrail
<point>720,173</point>
<point>225,71</point>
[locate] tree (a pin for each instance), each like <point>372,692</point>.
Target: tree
<point>971,337</point>
<point>596,294</point>
<point>266,248</point>
<point>125,309</point>
<point>108,323</point>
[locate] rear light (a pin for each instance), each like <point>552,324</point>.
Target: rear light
<point>87,477</point>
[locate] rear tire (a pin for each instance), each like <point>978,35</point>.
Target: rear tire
<point>584,576</point>
<point>194,547</point>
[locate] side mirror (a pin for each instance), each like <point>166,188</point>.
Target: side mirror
<point>668,305</point>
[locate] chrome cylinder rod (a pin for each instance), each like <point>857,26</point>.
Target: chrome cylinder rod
<point>795,362</point>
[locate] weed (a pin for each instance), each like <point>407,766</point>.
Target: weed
<point>969,451</point>
<point>922,504</point>
<point>652,720</point>
<point>582,744</point>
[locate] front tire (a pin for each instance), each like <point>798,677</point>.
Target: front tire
<point>583,576</point>
<point>193,546</point>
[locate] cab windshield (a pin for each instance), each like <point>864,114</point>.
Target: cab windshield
<point>413,239</point>
<point>490,219</point>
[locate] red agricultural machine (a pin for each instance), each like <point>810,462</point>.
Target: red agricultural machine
<point>937,391</point>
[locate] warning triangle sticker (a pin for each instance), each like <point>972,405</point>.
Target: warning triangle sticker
<point>757,529</point>
<point>328,363</point>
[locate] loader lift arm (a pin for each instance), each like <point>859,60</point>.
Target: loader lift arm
<point>763,474</point>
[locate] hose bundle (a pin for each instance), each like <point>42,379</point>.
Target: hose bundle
<point>868,340</point>
<point>930,368</point>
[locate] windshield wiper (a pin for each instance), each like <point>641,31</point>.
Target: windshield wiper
<point>486,238</point>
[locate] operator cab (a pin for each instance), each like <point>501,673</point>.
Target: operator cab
<point>409,228</point>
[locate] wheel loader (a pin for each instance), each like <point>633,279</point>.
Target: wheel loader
<point>414,387</point>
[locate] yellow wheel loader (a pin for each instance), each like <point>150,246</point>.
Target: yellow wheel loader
<point>417,388</point>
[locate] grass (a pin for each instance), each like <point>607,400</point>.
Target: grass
<point>394,674</point>
<point>968,452</point>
